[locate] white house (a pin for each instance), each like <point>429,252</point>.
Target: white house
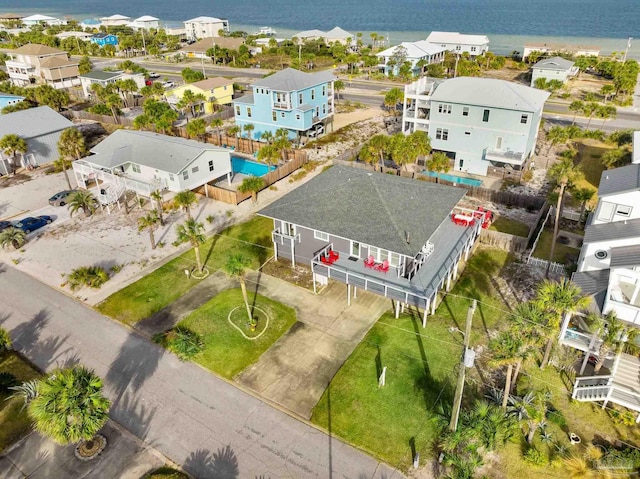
<point>336,34</point>
<point>115,20</point>
<point>145,162</point>
<point>460,43</point>
<point>84,36</point>
<point>145,22</point>
<point>205,27</point>
<point>35,64</point>
<point>38,19</point>
<point>486,126</point>
<point>576,50</point>
<point>103,78</point>
<point>421,51</point>
<point>555,68</point>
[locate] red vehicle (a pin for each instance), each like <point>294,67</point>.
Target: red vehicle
<point>148,82</point>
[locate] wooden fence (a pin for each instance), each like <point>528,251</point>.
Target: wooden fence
<point>85,115</point>
<point>234,197</point>
<point>508,242</point>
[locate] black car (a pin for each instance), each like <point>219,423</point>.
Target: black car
<point>60,198</point>
<point>5,224</point>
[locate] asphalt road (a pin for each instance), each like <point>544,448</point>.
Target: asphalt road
<point>196,419</point>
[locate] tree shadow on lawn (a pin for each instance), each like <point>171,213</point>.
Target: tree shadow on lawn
<point>222,464</point>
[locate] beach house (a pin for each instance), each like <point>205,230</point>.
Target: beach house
<point>303,103</point>
<point>36,64</point>
<point>407,249</point>
<point>102,78</point>
<point>103,39</point>
<point>216,91</point>
<point>145,22</point>
<point>460,43</point>
<point>205,27</point>
<point>116,20</point>
<point>336,34</point>
<point>200,48</point>
<point>44,20</point>
<point>419,54</point>
<point>555,68</point>
<point>486,126</point>
<point>554,48</point>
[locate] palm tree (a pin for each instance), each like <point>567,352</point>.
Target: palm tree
<point>197,128</point>
<point>71,146</point>
<point>530,323</point>
<point>583,195</point>
<point>338,86</point>
<point>235,132</point>
<point>248,128</point>
<point>157,197</point>
<point>184,199</point>
<point>378,146</point>
<point>5,341</point>
<point>149,222</point>
<point>216,124</point>
<point>421,144</point>
<point>236,267</point>
<point>82,200</point>
<point>589,110</point>
<point>439,162</point>
<point>282,142</point>
<point>191,232</point>
<point>401,149</point>
<point>392,98</point>
<point>576,107</point>
<point>607,90</point>
<point>532,409</point>
<point>558,299</point>
<point>91,276</point>
<point>13,237</point>
<point>70,406</point>
<point>11,145</point>
<point>565,173</point>
<point>269,154</point>
<point>252,184</point>
<point>613,334</point>
<point>606,112</point>
<point>505,351</point>
<point>555,136</point>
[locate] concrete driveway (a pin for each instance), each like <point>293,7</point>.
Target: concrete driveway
<point>20,198</point>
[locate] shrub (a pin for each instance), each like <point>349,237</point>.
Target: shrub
<point>181,341</point>
<point>7,381</point>
<point>5,341</point>
<point>527,176</point>
<point>100,109</point>
<point>535,457</point>
<point>210,219</point>
<point>91,276</point>
<point>626,417</point>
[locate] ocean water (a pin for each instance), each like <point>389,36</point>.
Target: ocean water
<point>508,23</point>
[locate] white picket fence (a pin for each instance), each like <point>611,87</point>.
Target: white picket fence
<point>542,263</point>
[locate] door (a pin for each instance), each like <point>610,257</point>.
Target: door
<point>460,164</point>
<point>355,249</point>
<point>289,229</point>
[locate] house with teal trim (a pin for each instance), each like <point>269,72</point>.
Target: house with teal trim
<point>103,39</point>
<point>300,102</point>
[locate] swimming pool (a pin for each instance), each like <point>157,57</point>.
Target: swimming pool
<point>454,179</point>
<point>249,168</point>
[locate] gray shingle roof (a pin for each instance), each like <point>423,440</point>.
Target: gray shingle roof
<point>372,208</point>
<point>554,63</point>
<point>490,92</point>
<point>101,75</point>
<point>33,122</point>
<point>625,256</point>
<point>245,99</point>
<point>291,79</point>
<point>165,153</point>
<point>591,282</point>
<point>611,231</point>
<point>618,180</point>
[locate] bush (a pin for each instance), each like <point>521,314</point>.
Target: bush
<point>535,457</point>
<point>626,417</point>
<point>527,176</point>
<point>90,276</point>
<point>99,109</point>
<point>181,341</point>
<point>5,341</point>
<point>7,381</point>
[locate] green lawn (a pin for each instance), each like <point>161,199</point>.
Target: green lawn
<point>160,288</point>
<point>420,370</point>
<point>509,226</point>
<point>563,254</point>
<point>14,422</point>
<point>226,351</point>
<point>589,154</point>
<point>165,473</point>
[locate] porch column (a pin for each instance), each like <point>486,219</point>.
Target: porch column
<point>616,362</point>
<point>466,252</point>
<point>455,269</point>
<point>424,314</point>
<point>449,280</point>
<point>348,295</point>
<point>397,309</point>
<point>206,190</point>
<point>275,253</point>
<point>293,257</point>
<point>313,276</point>
<point>433,303</point>
<point>634,296</point>
<point>564,325</point>
<point>229,177</point>
<point>355,292</point>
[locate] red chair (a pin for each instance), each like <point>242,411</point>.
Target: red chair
<point>369,262</point>
<point>384,267</point>
<point>334,256</point>
<point>325,260</point>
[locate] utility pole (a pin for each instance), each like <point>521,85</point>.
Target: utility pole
<point>464,363</point>
<point>300,56</point>
<point>626,51</point>
<point>455,70</point>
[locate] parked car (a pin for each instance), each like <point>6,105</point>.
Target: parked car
<point>317,131</point>
<point>30,223</point>
<point>60,198</point>
<point>153,75</point>
<point>168,84</point>
<point>148,82</point>
<point>5,224</point>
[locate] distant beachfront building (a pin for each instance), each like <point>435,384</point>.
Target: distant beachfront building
<point>115,20</point>
<point>200,48</point>
<point>84,36</point>
<point>90,23</point>
<point>486,126</point>
<point>556,68</point>
<point>550,48</point>
<point>456,42</point>
<point>42,20</point>
<point>36,64</point>
<point>10,19</point>
<point>336,34</point>
<point>420,54</point>
<point>103,39</point>
<point>205,27</point>
<point>145,22</point>
<point>299,102</point>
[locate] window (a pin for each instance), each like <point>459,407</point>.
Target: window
<point>465,111</point>
<point>355,249</point>
<point>300,98</point>
<point>288,229</point>
<point>442,134</point>
<point>473,49</point>
<point>321,236</point>
<point>394,259</point>
<point>524,119</point>
<point>249,112</point>
<point>375,252</point>
<point>237,111</point>
<point>606,210</point>
<point>458,47</point>
<point>324,90</point>
<point>485,116</point>
<point>282,115</point>
<point>135,168</point>
<point>313,94</point>
<point>443,108</point>
<point>623,210</point>
<point>170,177</point>
<point>210,165</point>
<point>324,109</point>
<point>195,169</point>
<point>274,116</point>
<point>298,116</point>
<point>185,175</point>
<point>460,163</point>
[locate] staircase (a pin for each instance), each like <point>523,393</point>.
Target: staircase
<point>628,372</point>
<point>591,393</point>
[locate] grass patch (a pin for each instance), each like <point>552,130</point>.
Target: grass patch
<point>226,351</point>
<point>509,226</point>
<point>163,286</point>
<point>14,423</point>
<point>166,473</point>
<point>589,158</point>
<point>563,254</point>
<point>420,370</point>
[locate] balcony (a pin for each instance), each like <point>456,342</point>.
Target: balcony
<point>282,106</point>
<point>623,295</point>
<point>504,156</point>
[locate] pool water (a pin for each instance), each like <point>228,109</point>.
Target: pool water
<point>249,168</point>
<point>454,179</point>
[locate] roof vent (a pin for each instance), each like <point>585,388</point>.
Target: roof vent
<point>407,238</point>
<point>606,177</point>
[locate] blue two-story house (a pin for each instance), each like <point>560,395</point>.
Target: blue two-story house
<point>103,39</point>
<point>300,102</point>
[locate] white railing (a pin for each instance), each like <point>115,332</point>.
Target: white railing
<point>625,311</point>
<point>603,388</point>
<point>277,236</point>
<point>574,337</point>
<point>571,215</point>
<point>542,263</point>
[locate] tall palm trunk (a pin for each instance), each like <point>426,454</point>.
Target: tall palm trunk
<point>243,288</point>
<point>556,227</point>
<point>515,375</point>
<point>547,353</point>
<point>196,250</point>
<point>64,170</point>
<point>187,211</point>
<point>533,427</point>
<point>160,211</point>
<point>507,387</point>
<point>152,238</point>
